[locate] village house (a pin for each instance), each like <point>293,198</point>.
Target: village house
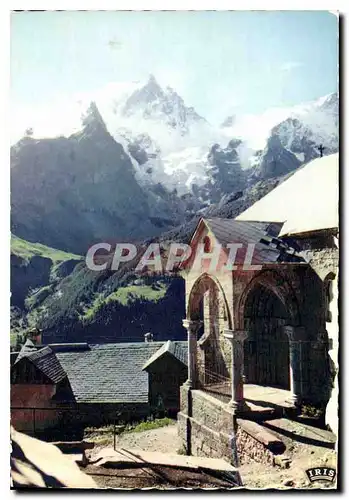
<point>69,386</point>
<point>37,377</point>
<point>263,339</point>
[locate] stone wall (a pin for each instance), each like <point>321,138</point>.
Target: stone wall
<point>332,328</point>
<point>211,412</point>
<point>324,262</point>
<point>249,448</point>
<point>255,442</point>
<point>203,441</point>
<point>208,430</point>
<point>205,426</point>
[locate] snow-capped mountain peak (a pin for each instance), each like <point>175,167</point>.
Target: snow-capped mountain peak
<point>145,95</point>
<point>320,114</point>
<point>151,102</point>
<point>169,143</point>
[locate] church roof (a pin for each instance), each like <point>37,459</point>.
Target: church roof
<point>228,230</point>
<point>307,201</point>
<point>258,233</point>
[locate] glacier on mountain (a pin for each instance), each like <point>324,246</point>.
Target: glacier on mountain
<point>169,143</point>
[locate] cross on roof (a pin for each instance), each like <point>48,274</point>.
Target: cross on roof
<point>321,149</point>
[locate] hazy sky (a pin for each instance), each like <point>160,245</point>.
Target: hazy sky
<point>220,62</point>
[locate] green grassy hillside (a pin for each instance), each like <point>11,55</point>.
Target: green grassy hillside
<point>26,250</point>
<point>36,270</point>
<point>56,292</point>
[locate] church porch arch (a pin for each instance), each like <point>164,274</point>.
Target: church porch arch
<point>207,307</point>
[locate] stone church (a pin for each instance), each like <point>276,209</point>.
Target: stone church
<point>263,326</point>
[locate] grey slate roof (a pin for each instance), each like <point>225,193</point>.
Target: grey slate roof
<point>46,361</point>
<point>178,349</point>
<point>27,348</point>
<point>235,231</point>
<point>13,357</point>
<point>109,373</point>
<point>71,346</point>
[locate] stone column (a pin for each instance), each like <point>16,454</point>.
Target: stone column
<point>296,338</point>
<point>320,367</point>
<point>192,327</point>
<point>236,338</point>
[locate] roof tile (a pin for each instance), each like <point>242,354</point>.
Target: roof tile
<point>109,373</point>
<point>46,361</point>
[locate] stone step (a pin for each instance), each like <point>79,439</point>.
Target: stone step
<point>267,438</point>
<point>138,458</point>
<point>255,412</point>
<point>293,429</point>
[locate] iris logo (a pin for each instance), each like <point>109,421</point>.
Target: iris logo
<point>321,474</point>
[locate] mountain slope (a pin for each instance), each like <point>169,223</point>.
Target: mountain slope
<point>118,305</point>
<point>60,295</point>
<point>71,192</point>
<point>35,271</point>
<point>300,138</point>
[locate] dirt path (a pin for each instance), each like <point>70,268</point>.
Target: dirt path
<point>261,476</point>
<point>157,477</point>
<point>164,440</point>
<point>253,474</point>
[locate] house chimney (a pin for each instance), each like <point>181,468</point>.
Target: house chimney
<point>35,336</point>
<point>148,337</point>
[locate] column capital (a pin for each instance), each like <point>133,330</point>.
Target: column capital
<point>322,336</point>
<point>235,335</point>
<point>192,324</point>
<point>295,333</point>
<point>320,341</point>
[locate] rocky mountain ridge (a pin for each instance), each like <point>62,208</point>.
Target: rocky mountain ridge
<point>143,162</point>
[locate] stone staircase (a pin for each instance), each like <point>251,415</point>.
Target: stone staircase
<point>271,441</point>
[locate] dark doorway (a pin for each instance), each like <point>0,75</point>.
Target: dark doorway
<point>266,348</point>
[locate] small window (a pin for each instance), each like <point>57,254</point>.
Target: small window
<point>207,244</point>
<point>328,284</point>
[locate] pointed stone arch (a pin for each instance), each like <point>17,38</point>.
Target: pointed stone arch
<point>275,282</point>
<point>207,303</point>
<point>268,310</point>
<point>204,283</point>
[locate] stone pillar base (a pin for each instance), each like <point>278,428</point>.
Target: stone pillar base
<point>296,337</point>
<point>237,407</point>
<point>292,399</point>
<point>184,432</point>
